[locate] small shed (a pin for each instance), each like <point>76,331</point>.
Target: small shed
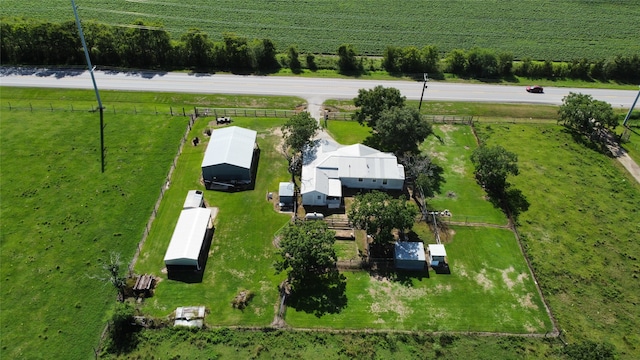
<point>190,316</point>
<point>195,199</point>
<point>229,158</point>
<point>409,255</point>
<point>185,248</point>
<point>437,255</point>
<point>286,194</point>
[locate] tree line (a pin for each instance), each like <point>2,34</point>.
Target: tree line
<point>148,46</point>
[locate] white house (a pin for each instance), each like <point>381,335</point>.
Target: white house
<point>329,167</point>
<point>409,255</point>
<point>184,251</point>
<point>229,158</point>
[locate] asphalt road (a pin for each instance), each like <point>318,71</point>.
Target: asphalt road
<point>314,90</point>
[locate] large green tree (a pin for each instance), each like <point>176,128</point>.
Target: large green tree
<point>582,113</point>
<point>306,249</point>
<point>399,130</point>
<point>492,166</point>
<point>372,102</point>
<point>196,49</point>
<point>423,175</point>
<point>298,133</point>
<point>379,214</point>
<point>347,60</point>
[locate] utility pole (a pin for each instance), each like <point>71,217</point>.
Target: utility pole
<point>93,79</point>
<point>424,87</point>
<point>624,123</point>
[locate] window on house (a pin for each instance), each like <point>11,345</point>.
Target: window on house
<point>384,182</point>
<point>319,197</point>
<point>360,179</point>
<point>374,180</point>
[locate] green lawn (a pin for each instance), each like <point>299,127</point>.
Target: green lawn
<point>451,148</point>
<point>489,289</point>
<point>241,254</point>
<point>62,217</point>
<point>580,232</point>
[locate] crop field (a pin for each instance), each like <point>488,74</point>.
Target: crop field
<point>539,29</point>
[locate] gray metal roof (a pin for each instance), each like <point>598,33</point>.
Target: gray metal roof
<point>230,145</point>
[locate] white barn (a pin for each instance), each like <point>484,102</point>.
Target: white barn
<point>188,239</point>
<point>229,158</point>
<point>409,255</point>
<point>329,167</point>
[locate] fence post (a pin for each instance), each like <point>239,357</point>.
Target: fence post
<point>114,110</point>
<point>9,105</point>
<point>156,110</point>
<point>135,111</point>
<point>171,110</point>
<point>31,107</point>
<point>51,105</point>
<point>71,108</point>
<point>183,112</point>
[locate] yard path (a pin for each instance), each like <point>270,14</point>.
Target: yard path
<point>314,107</point>
<point>626,161</point>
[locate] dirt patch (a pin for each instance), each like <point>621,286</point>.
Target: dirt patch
<point>391,297</point>
<point>505,277</point>
<point>513,282</point>
<point>484,281</point>
<point>526,302</point>
<point>461,270</point>
<point>446,128</point>
<point>442,288</point>
<point>458,169</point>
<point>438,155</point>
<point>522,277</point>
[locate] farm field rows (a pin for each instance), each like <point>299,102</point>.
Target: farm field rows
<point>544,30</point>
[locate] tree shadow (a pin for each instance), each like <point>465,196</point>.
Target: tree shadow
<point>321,295</point>
<point>515,202</point>
<point>511,201</point>
<point>589,143</point>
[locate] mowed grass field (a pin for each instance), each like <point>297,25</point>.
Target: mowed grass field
<point>581,232</point>
<point>62,217</point>
<point>585,262</point>
<point>544,30</point>
<point>242,255</point>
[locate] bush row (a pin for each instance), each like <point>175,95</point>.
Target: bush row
<point>149,46</point>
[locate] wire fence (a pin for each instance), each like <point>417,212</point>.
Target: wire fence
<point>112,109</point>
<point>221,112</point>
<point>438,119</point>
<point>163,189</point>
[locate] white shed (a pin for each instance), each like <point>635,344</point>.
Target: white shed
<point>195,199</point>
<point>437,254</point>
<point>409,255</point>
<point>188,239</point>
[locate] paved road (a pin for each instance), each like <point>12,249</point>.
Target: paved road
<point>314,90</point>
